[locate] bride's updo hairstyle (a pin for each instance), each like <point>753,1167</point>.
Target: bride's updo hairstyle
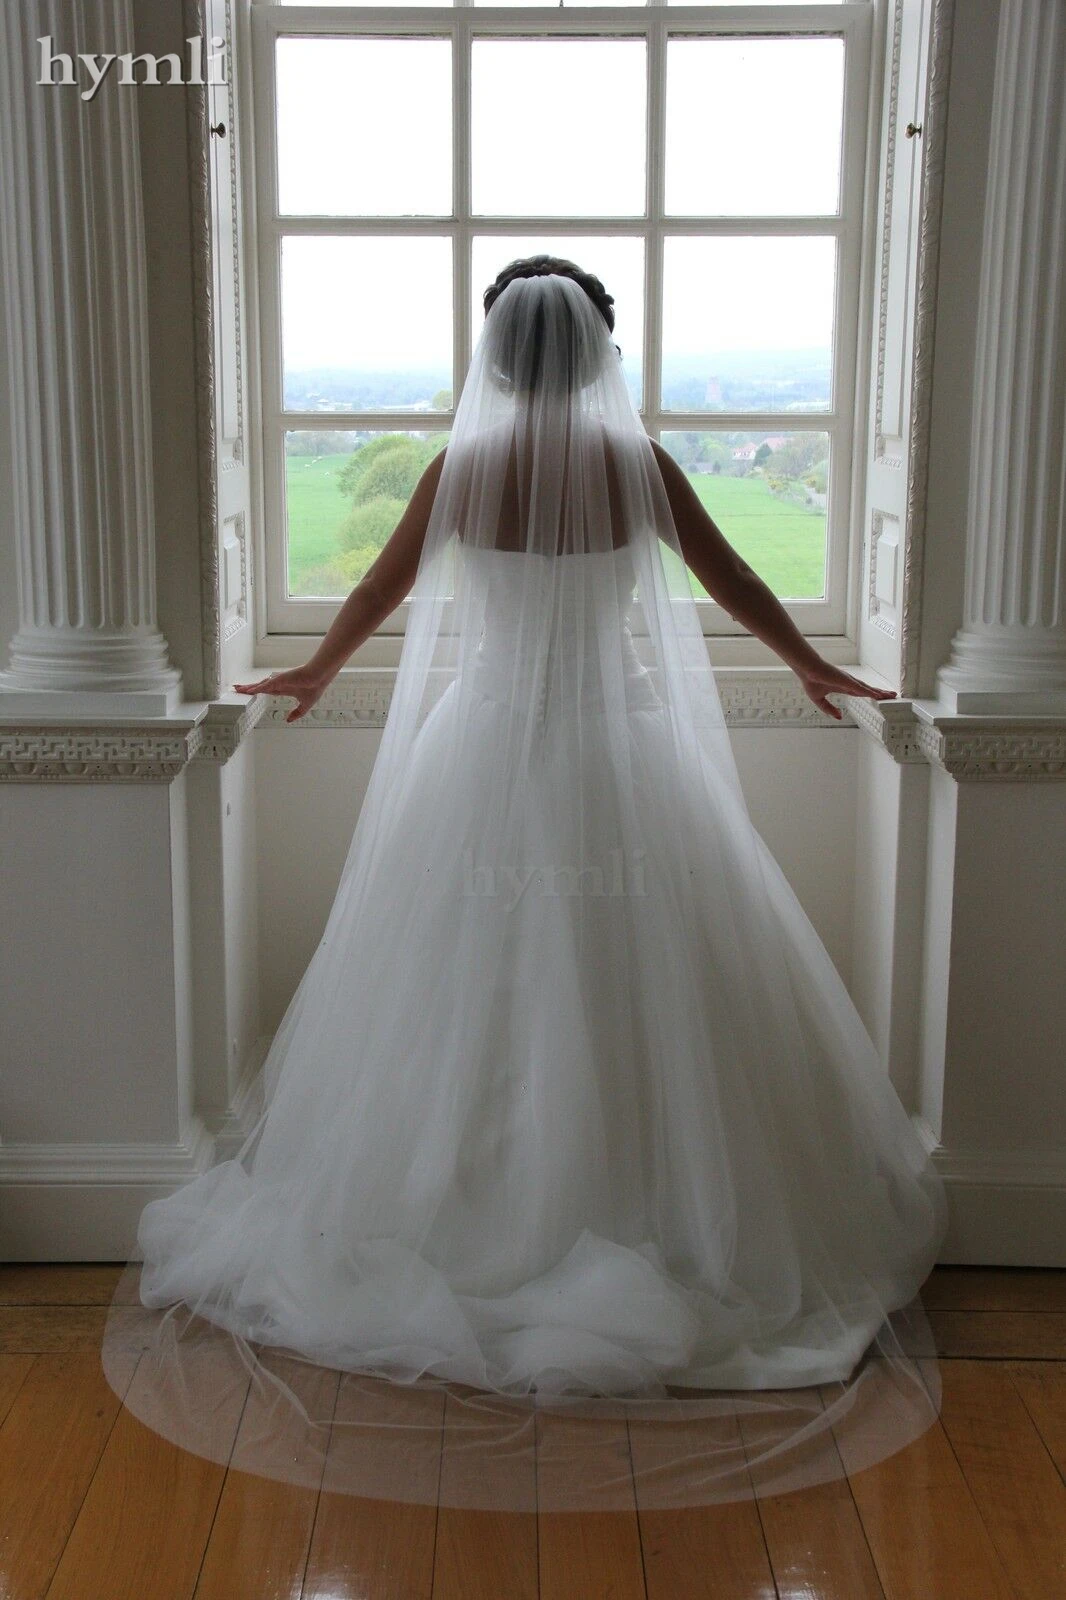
<point>515,353</point>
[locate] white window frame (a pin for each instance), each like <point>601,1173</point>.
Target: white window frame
<point>823,620</point>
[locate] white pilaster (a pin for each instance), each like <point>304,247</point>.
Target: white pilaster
<point>1010,654</point>
<point>75,299</point>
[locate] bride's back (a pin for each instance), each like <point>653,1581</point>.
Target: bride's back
<point>514,475</point>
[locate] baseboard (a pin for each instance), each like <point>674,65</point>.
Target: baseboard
<point>1007,1208</point>
<point>82,1202</point>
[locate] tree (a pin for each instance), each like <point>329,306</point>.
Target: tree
<point>799,453</point>
<point>369,525</point>
<point>362,479</point>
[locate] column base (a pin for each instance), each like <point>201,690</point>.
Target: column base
<point>1005,702</point>
<point>89,704</point>
<point>1000,668</point>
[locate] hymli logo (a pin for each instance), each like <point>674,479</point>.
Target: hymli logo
<point>97,66</point>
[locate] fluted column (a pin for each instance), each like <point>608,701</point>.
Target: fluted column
<point>1010,653</point>
<point>75,300</point>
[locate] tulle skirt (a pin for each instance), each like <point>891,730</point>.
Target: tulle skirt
<point>570,1100</point>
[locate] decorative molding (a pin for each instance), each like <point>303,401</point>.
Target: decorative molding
<point>124,750</point>
<point>892,723</point>
<point>874,603</point>
<point>1041,1169</point>
<point>238,618</point>
<point>886,244</point>
<point>235,213</point>
<point>227,724</point>
<point>968,747</point>
<point>118,752</point>
<point>246,1103</point>
<point>766,699</point>
<point>995,748</point>
<point>22,1164</point>
<point>934,146</point>
<point>357,698</point>
<point>215,629</point>
<point>197,123</point>
<point>758,697</point>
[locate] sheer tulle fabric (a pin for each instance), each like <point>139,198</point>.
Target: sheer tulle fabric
<point>571,1118</point>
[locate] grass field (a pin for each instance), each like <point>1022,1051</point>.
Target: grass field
<point>784,544</point>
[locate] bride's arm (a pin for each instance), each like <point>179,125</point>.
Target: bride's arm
<point>728,579</point>
<point>385,583</point>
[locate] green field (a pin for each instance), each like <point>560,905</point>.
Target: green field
<point>784,544</point>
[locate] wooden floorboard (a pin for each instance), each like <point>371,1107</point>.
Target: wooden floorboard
<point>700,1551</point>
<point>814,1535</point>
<point>96,1506</point>
<point>1014,1481</point>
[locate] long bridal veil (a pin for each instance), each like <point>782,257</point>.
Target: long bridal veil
<point>577,1173</point>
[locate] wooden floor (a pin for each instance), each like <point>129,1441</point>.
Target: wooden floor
<point>94,1506</point>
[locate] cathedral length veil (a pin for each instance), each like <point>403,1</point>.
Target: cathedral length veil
<point>576,1167</point>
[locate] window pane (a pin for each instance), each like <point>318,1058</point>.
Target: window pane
<point>708,2</point>
<point>364,127</point>
<point>367,324</point>
<point>557,127</point>
<point>617,262</point>
<point>753,126</point>
<point>385,4</point>
<point>345,492</point>
<point>557,3</point>
<point>748,323</point>
<point>768,494</point>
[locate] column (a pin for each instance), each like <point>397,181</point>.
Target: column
<point>76,305</point>
<point>1010,654</point>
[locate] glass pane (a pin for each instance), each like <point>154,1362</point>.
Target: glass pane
<point>753,126</point>
<point>557,3</point>
<point>387,3</point>
<point>748,323</point>
<point>366,324</point>
<point>768,493</point>
<point>617,262</point>
<point>709,2</point>
<point>557,127</point>
<point>345,492</point>
<point>364,127</point>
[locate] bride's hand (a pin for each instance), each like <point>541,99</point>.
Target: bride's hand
<point>305,685</point>
<point>827,679</point>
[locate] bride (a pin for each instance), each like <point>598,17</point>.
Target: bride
<point>570,1099</point>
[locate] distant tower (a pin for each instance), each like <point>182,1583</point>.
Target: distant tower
<point>712,394</point>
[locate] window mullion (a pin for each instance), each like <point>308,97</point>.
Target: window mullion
<point>462,177</point>
<point>652,361</point>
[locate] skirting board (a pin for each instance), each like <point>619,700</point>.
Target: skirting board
<point>82,1202</point>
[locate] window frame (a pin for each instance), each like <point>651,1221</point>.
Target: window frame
<point>823,620</point>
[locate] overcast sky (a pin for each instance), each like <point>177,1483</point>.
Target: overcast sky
<point>753,126</point>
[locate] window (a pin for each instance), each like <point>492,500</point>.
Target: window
<point>707,164</point>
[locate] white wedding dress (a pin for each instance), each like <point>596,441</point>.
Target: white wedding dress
<point>611,1173</point>
<point>570,1099</point>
